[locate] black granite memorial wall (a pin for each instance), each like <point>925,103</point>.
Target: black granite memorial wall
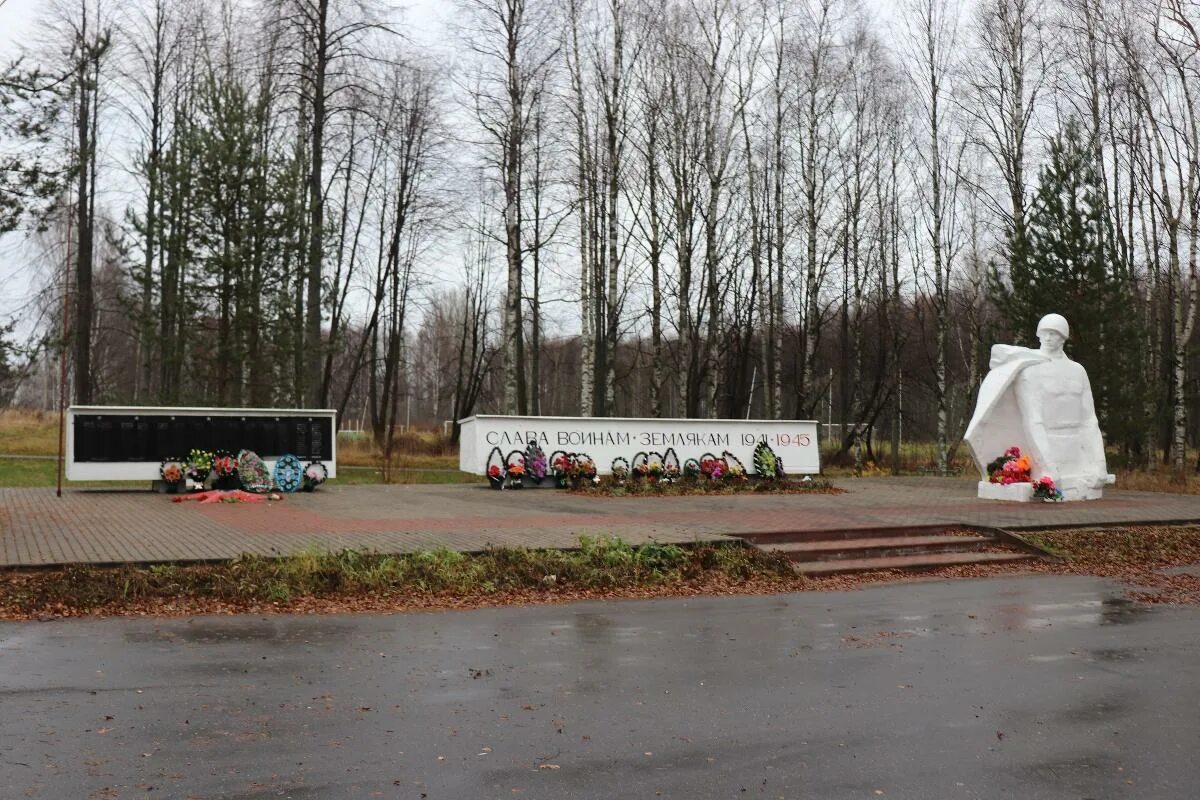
<point>153,437</point>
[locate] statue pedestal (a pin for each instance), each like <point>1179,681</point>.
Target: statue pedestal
<point>1083,490</point>
<point>1013,492</point>
<point>1023,492</point>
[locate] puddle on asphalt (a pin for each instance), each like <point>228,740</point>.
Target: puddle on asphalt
<point>1116,654</point>
<point>270,632</point>
<point>1079,766</point>
<point>1089,612</point>
<point>1122,611</point>
<point>1104,709</point>
<point>602,629</point>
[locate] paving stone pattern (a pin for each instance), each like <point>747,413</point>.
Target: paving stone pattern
<point>105,526</point>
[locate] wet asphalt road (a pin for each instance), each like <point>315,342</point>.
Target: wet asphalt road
<point>1038,687</point>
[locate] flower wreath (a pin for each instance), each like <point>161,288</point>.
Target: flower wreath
<point>670,462</point>
<point>583,468</point>
<point>535,461</point>
<point>654,466</point>
<point>641,465</point>
<point>495,468</point>
<point>766,463</point>
<point>560,465</point>
<point>314,475</point>
<point>289,476</point>
<point>713,468</point>
<point>620,469</point>
<point>199,465</point>
<point>224,464</point>
<point>735,469</point>
<point>514,468</point>
<point>252,472</point>
<point>172,470</point>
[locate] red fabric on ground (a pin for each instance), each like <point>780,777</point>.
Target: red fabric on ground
<point>217,496</point>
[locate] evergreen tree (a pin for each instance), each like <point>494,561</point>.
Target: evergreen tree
<point>1070,266</point>
<point>10,375</point>
<point>29,176</point>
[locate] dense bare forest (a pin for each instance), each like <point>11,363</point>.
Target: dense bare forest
<point>711,208</point>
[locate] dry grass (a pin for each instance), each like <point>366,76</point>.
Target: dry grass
<point>1142,546</point>
<point>28,433</point>
<point>25,432</point>
<point>412,450</point>
<point>1161,480</point>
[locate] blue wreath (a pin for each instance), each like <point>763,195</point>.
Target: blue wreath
<point>289,475</point>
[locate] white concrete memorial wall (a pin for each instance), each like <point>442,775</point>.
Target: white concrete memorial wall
<point>606,438</point>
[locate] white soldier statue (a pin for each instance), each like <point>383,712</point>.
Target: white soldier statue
<point>1040,401</point>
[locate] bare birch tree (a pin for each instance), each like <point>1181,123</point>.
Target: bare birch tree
<point>933,26</point>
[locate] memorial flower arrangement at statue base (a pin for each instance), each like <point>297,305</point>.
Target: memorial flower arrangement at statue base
<point>1046,491</point>
<point>620,470</point>
<point>1010,468</point>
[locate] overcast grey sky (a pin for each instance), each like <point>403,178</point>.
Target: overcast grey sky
<point>16,19</point>
<point>423,21</point>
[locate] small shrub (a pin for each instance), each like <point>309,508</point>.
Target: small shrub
<point>660,559</point>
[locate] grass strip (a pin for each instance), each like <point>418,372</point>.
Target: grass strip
<point>599,564</point>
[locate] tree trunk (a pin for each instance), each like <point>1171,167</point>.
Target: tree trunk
<point>312,343</point>
<point>84,210</point>
<point>514,345</point>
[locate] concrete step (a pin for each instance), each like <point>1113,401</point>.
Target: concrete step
<point>775,537</point>
<point>878,547</point>
<point>910,562</point>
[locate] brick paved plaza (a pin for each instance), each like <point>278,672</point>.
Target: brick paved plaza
<point>108,526</point>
